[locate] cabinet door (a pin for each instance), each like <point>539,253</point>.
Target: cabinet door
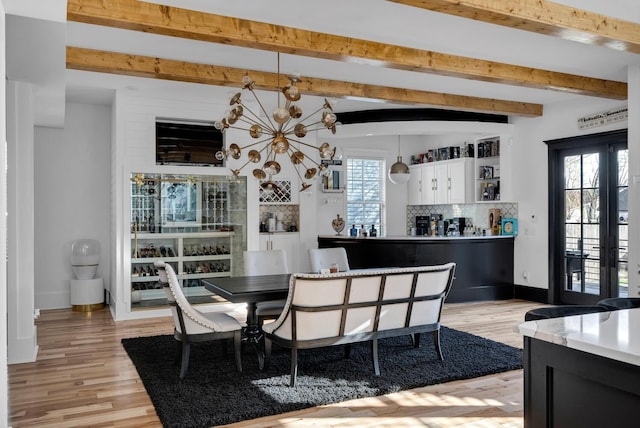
<point>414,188</point>
<point>441,173</point>
<point>429,185</point>
<point>445,182</point>
<point>265,242</point>
<point>289,242</point>
<point>456,183</point>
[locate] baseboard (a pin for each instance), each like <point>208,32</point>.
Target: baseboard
<point>23,350</point>
<point>52,299</point>
<point>498,292</point>
<point>480,293</point>
<point>533,294</point>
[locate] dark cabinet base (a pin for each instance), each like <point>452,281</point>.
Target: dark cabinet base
<point>484,268</point>
<point>567,388</point>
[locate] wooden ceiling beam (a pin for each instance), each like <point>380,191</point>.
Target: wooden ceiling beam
<point>543,17</point>
<point>171,21</point>
<point>167,69</point>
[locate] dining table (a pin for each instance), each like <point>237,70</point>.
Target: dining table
<point>251,290</point>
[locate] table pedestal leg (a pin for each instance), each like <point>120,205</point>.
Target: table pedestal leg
<point>252,334</point>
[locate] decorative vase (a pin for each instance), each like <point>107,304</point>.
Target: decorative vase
<point>338,224</point>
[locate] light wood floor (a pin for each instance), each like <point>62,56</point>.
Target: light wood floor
<point>83,377</point>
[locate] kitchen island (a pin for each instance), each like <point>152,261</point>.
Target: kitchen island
<point>582,370</point>
<point>484,268</point>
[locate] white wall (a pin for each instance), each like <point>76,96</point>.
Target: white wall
<point>377,146</point>
<point>634,177</point>
<point>129,145</point>
<point>72,198</point>
<point>381,139</point>
<point>21,330</point>
<point>133,151</point>
<point>530,181</point>
<point>4,383</point>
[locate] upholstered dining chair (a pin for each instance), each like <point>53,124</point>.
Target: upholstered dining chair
<point>193,326</point>
<point>266,262</point>
<point>323,258</point>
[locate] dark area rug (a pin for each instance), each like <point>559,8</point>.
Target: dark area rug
<point>213,393</point>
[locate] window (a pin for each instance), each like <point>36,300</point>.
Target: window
<point>365,193</point>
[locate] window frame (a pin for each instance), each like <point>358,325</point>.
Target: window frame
<point>375,155</point>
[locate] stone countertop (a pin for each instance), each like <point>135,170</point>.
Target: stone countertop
<point>613,335</point>
<point>420,238</point>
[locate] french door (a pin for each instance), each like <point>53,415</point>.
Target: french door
<point>588,218</point>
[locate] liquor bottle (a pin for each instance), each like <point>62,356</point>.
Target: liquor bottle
<point>363,231</point>
<point>353,231</point>
<point>373,232</point>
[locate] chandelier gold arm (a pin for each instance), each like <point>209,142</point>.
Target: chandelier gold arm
<point>279,129</point>
<point>267,115</point>
<point>304,144</point>
<point>257,118</point>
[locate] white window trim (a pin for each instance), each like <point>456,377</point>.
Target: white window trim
<point>375,155</point>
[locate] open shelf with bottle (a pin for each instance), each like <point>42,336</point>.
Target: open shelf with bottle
<point>332,179</point>
<point>206,255</point>
<point>488,169</point>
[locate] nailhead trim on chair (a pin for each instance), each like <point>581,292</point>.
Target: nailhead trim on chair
<point>167,267</point>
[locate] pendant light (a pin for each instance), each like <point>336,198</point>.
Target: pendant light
<point>399,171</point>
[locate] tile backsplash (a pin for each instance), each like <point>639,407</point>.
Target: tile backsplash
<point>291,214</point>
<point>478,213</point>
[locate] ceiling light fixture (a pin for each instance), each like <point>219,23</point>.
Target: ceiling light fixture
<point>399,171</point>
<point>279,130</point>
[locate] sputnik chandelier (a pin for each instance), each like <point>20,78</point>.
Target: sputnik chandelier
<point>276,132</point>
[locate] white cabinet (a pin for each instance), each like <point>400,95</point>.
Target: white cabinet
<point>443,182</point>
<point>459,185</point>
<point>287,241</point>
<point>414,186</point>
<point>188,221</point>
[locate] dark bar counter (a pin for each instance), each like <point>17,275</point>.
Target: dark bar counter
<point>484,268</point>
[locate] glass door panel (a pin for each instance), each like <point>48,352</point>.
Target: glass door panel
<point>588,218</point>
<point>622,224</point>
<point>582,223</point>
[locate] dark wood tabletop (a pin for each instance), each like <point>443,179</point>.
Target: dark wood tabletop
<point>249,289</point>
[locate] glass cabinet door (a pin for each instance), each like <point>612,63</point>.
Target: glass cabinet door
<point>195,223</point>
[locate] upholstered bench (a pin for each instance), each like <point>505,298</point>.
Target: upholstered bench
<point>358,306</point>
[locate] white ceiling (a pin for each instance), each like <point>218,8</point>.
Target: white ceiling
<point>377,20</point>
